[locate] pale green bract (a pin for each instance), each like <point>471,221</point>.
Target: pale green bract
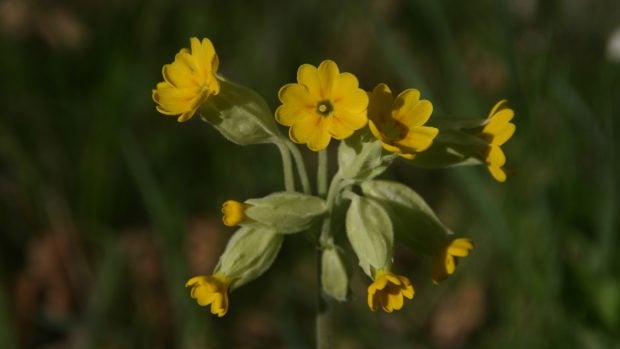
<point>415,223</point>
<point>334,276</point>
<point>286,212</point>
<point>370,233</point>
<point>248,254</point>
<point>240,114</point>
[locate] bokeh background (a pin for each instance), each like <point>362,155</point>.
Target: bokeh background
<point>107,207</point>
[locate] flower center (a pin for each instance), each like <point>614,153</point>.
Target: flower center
<point>324,108</point>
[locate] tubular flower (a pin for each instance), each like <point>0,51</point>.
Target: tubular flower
<point>444,263</point>
<point>188,81</point>
<point>388,291</point>
<point>323,104</point>
<point>498,131</point>
<point>211,290</point>
<point>233,213</point>
<point>398,123</point>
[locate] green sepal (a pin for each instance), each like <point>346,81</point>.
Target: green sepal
<point>334,274</point>
<point>452,148</point>
<point>361,157</point>
<point>415,223</point>
<point>459,124</point>
<point>240,114</point>
<point>370,233</point>
<point>249,253</point>
<point>286,212</point>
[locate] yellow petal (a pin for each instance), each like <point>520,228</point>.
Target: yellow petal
<point>498,173</point>
<point>497,107</point>
<point>380,102</point>
<point>320,137</point>
<point>418,139</point>
<point>301,130</point>
<point>503,135</point>
<point>418,115</point>
<point>308,76</point>
<point>296,94</point>
<point>328,71</point>
<point>495,156</point>
<point>344,123</point>
<point>406,99</point>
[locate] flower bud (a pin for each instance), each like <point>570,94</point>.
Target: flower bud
<point>240,114</point>
<point>334,277</point>
<point>248,254</point>
<point>286,212</point>
<point>233,213</point>
<point>370,233</point>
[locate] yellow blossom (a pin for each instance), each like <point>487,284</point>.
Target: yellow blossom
<point>444,263</point>
<point>388,290</point>
<point>211,290</point>
<point>398,123</point>
<point>323,104</point>
<point>498,131</point>
<point>188,81</point>
<point>233,213</point>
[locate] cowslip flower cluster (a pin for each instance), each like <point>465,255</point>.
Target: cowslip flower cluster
<point>375,128</point>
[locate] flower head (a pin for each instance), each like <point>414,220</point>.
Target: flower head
<point>233,213</point>
<point>444,263</point>
<point>498,131</point>
<point>323,104</point>
<point>188,81</point>
<point>211,290</point>
<point>398,123</point>
<point>388,291</point>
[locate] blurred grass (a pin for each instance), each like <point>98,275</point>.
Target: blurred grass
<point>83,153</point>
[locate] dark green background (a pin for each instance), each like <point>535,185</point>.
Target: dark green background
<point>107,207</point>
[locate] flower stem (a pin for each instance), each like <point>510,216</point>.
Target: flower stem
<point>301,167</point>
<point>321,174</point>
<point>287,164</point>
<point>324,328</point>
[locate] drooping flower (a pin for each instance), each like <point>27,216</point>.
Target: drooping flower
<point>188,81</point>
<point>211,290</point>
<point>398,123</point>
<point>498,131</point>
<point>388,291</point>
<point>324,103</point>
<point>444,262</point>
<point>233,213</point>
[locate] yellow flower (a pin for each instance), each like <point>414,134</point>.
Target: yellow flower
<point>233,213</point>
<point>444,263</point>
<point>398,124</point>
<point>188,81</point>
<point>388,291</point>
<point>211,290</point>
<point>498,131</point>
<point>323,104</point>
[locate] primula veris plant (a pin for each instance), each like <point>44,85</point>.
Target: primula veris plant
<point>375,128</point>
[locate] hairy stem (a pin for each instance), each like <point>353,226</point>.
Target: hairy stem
<point>287,164</point>
<point>301,167</point>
